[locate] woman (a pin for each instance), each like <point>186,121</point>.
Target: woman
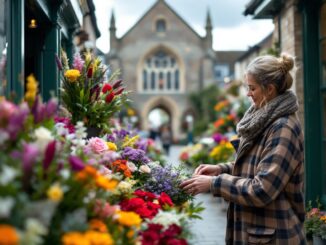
<point>264,186</point>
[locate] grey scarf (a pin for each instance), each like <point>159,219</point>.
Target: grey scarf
<point>256,120</point>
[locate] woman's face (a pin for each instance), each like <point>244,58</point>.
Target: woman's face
<point>254,91</point>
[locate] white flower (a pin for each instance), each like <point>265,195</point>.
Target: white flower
<point>124,186</point>
<point>43,137</point>
<point>61,130</point>
<point>144,169</point>
<point>65,174</point>
<point>34,231</point>
<point>132,167</point>
<point>3,136</point>
<point>6,205</point>
<point>7,175</point>
<point>168,218</point>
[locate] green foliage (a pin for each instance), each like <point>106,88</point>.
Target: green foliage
<point>203,103</point>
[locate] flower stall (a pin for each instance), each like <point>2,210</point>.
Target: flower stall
<point>59,185</point>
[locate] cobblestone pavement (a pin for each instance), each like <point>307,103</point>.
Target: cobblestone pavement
<point>211,229</point>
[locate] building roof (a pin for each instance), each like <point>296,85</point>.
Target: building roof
<point>91,7</point>
<point>171,9</point>
<point>228,57</point>
<point>257,47</point>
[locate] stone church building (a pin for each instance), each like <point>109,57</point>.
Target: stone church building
<point>163,59</point>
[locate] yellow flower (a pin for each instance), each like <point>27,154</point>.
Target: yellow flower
<point>74,238</point>
<point>31,88</point>
<point>8,235</point>
<point>105,183</point>
<point>130,112</point>
<point>55,193</point>
<point>323,218</point>
<point>98,238</point>
<point>130,141</point>
<point>72,75</point>
<point>112,146</point>
<point>129,218</point>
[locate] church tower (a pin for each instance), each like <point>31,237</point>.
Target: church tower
<point>113,37</point>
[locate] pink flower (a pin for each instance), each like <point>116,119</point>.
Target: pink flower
<point>104,209</point>
<point>6,110</point>
<point>97,145</point>
<point>78,62</point>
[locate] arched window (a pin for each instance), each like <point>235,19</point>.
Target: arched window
<point>161,73</point>
<point>160,26</point>
<point>145,80</point>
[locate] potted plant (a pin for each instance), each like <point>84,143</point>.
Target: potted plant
<point>315,225</point>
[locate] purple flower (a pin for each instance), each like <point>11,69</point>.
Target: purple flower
<point>28,156</point>
<point>218,137</point>
<point>76,163</point>
<point>135,155</point>
<point>142,144</point>
<point>78,62</point>
<point>17,120</point>
<point>121,134</point>
<point>44,111</point>
<point>166,179</point>
<point>58,61</point>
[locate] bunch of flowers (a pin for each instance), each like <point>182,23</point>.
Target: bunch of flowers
<point>167,179</point>
<point>315,223</point>
<point>86,94</point>
<point>222,152</point>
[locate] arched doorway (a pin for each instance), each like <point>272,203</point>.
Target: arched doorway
<point>158,117</point>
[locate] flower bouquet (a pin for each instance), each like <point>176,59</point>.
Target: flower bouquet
<point>85,93</point>
<point>315,223</point>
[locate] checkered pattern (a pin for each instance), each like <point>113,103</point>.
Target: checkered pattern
<point>265,188</point>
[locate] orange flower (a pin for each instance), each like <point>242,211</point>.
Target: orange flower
<point>121,166</point>
<point>87,172</point>
<point>105,183</point>
<point>97,225</point>
<point>8,235</point>
<point>219,123</point>
<point>97,238</point>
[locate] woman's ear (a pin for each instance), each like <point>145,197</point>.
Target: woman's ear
<point>271,91</point>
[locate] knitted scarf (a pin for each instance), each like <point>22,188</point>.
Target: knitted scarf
<point>256,120</point>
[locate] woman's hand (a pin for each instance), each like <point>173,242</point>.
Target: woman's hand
<point>197,184</point>
<point>208,169</point>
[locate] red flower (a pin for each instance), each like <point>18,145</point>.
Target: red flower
<point>107,87</point>
<point>147,196</point>
<point>117,84</point>
<point>164,199</point>
<point>172,231</point>
<point>175,241</point>
<point>119,91</point>
<point>109,97</point>
<point>90,72</point>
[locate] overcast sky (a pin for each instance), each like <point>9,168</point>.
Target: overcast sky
<point>231,29</point>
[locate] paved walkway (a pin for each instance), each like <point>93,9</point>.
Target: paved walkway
<point>211,229</point>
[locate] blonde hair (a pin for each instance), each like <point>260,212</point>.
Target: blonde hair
<point>269,69</point>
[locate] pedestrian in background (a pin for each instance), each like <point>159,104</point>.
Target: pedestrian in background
<point>264,185</point>
<point>166,138</point>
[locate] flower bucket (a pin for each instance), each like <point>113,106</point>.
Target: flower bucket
<point>93,132</point>
<point>318,241</point>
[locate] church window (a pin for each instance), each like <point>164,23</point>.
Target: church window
<point>145,80</point>
<point>160,26</point>
<point>153,80</point>
<point>161,73</point>
<point>176,80</point>
<point>169,80</point>
<point>160,80</point>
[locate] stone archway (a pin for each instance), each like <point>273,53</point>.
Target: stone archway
<point>169,105</point>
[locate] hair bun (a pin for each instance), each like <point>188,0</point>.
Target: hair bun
<point>287,62</point>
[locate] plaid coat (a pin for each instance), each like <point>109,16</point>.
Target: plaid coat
<point>265,188</point>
